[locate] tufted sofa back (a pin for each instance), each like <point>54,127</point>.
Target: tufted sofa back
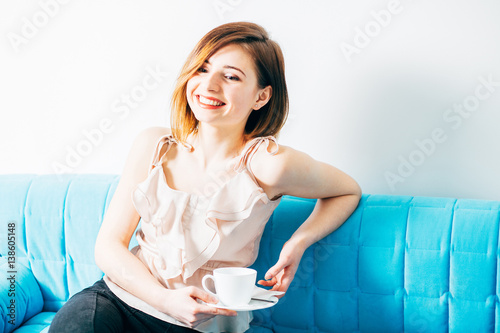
<point>399,264</point>
<point>57,220</point>
<point>412,264</point>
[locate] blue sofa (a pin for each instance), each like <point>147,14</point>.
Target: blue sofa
<point>399,264</point>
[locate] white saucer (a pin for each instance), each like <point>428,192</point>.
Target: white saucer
<point>253,305</point>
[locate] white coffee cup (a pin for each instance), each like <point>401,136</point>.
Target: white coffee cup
<point>233,285</point>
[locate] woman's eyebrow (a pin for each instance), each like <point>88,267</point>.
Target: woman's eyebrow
<point>236,68</point>
<point>230,67</point>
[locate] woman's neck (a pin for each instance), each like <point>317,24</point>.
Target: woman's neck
<point>213,146</point>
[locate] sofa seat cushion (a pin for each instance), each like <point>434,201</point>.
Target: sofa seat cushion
<point>38,323</point>
<point>23,298</point>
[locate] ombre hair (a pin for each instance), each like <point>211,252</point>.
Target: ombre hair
<point>270,68</point>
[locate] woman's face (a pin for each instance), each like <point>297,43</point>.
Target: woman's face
<point>224,91</point>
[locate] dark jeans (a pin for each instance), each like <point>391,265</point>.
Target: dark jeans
<point>97,309</point>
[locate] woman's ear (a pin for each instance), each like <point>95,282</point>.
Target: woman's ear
<point>263,97</point>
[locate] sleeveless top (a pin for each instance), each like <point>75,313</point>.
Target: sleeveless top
<point>184,236</point>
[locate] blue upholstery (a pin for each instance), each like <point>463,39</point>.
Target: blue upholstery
<point>412,264</point>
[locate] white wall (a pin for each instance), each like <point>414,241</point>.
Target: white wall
<point>66,67</point>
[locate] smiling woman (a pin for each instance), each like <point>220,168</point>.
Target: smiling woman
<point>226,89</point>
<point>258,57</point>
<point>229,103</point>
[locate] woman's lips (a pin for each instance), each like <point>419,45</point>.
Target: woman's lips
<point>209,103</point>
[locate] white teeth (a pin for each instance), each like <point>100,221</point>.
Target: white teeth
<point>209,101</point>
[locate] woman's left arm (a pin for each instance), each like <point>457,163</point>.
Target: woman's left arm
<point>294,173</point>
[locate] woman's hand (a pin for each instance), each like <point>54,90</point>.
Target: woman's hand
<point>182,305</point>
<point>281,275</point>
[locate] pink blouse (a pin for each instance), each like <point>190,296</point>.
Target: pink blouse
<point>184,236</point>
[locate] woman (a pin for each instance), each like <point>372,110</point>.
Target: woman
<point>212,184</point>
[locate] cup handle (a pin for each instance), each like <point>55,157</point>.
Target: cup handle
<point>204,284</point>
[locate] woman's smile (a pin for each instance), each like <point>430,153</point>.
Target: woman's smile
<point>209,102</point>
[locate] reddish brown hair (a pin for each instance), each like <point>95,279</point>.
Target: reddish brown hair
<point>270,68</point>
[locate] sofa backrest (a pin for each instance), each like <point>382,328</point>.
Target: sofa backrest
<point>57,219</point>
<point>399,263</point>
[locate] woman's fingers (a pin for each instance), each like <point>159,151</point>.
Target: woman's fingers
<point>207,298</point>
<point>281,279</point>
<point>268,283</point>
<point>276,269</point>
<point>213,311</point>
<point>202,295</point>
<point>286,280</point>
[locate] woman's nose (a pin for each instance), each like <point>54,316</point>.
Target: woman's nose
<point>211,82</point>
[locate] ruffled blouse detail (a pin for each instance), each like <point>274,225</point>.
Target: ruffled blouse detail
<point>181,232</point>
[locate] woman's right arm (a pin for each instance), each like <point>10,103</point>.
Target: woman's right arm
<point>125,269</point>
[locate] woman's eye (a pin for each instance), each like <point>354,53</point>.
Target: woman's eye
<point>233,78</point>
<point>202,70</point>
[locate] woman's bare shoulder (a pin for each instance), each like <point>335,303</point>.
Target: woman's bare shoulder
<point>143,148</point>
<point>274,158</point>
<point>269,164</point>
<point>153,133</point>
<point>147,139</point>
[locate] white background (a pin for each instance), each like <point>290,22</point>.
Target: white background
<point>66,67</point>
